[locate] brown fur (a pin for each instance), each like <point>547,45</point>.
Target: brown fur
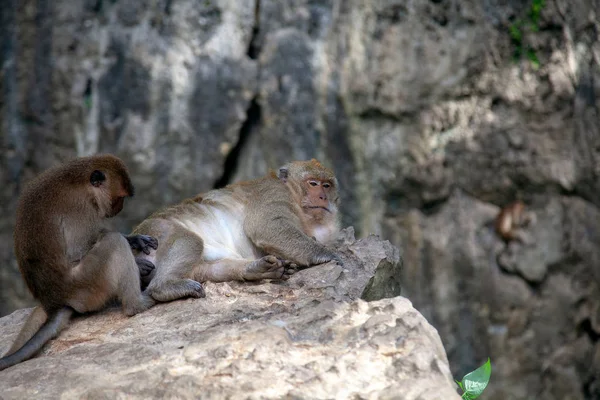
<point>511,220</point>
<point>68,259</point>
<point>260,229</point>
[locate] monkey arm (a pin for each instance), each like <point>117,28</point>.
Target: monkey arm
<point>279,234</point>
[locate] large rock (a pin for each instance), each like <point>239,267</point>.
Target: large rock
<point>538,315</point>
<point>310,337</point>
<point>409,102</point>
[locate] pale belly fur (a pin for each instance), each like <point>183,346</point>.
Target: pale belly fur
<point>222,232</point>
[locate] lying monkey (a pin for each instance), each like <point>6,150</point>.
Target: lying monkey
<point>68,259</point>
<point>261,229</point>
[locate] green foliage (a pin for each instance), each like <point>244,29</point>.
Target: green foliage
<point>534,14</point>
<point>518,33</point>
<point>475,382</point>
<point>535,62</point>
<point>515,32</point>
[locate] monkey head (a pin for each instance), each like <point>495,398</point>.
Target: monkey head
<point>314,187</point>
<point>109,183</point>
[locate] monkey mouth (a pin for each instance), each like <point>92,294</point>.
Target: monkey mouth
<point>318,207</point>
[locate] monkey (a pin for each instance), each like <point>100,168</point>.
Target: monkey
<point>69,260</point>
<point>261,229</point>
<point>511,220</point>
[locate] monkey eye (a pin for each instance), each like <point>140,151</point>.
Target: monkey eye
<point>97,178</point>
<point>326,185</point>
<point>313,183</point>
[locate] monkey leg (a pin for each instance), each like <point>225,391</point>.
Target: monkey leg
<point>224,270</point>
<point>179,251</point>
<point>108,270</point>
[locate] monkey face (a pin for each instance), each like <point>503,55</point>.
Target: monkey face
<point>320,200</point>
<point>314,185</point>
<point>116,207</point>
<point>317,194</point>
<point>118,192</point>
<point>112,188</point>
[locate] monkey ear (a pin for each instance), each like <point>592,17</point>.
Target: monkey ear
<point>283,174</point>
<point>97,178</point>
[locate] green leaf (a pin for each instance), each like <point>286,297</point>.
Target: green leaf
<point>515,32</point>
<point>460,385</point>
<point>475,382</point>
<point>535,62</point>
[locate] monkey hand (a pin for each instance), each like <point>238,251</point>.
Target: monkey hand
<point>142,243</point>
<point>145,266</point>
<point>326,257</point>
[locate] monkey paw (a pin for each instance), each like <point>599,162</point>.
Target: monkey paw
<point>145,266</point>
<point>175,289</point>
<point>142,242</point>
<point>196,289</point>
<point>289,269</point>
<point>270,267</point>
<point>330,256</point>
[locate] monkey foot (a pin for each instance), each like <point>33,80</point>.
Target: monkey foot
<point>196,289</point>
<point>145,266</point>
<point>142,242</point>
<point>270,267</point>
<point>173,290</point>
<point>144,303</point>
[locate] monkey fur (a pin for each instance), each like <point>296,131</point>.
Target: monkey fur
<point>70,261</point>
<point>511,220</point>
<point>260,229</point>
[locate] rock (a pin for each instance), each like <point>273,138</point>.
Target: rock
<point>532,259</point>
<point>409,102</point>
<point>309,337</point>
<point>527,317</point>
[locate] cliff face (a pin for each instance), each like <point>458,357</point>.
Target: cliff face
<point>432,113</point>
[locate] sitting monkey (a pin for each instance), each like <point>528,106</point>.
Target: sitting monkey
<point>261,229</point>
<point>68,258</point>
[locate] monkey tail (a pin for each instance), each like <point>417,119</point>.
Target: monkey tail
<point>56,322</point>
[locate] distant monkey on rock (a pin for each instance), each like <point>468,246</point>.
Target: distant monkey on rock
<point>260,229</point>
<point>511,220</point>
<point>68,258</point>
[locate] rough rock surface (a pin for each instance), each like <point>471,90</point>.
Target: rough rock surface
<point>432,113</point>
<point>309,337</point>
